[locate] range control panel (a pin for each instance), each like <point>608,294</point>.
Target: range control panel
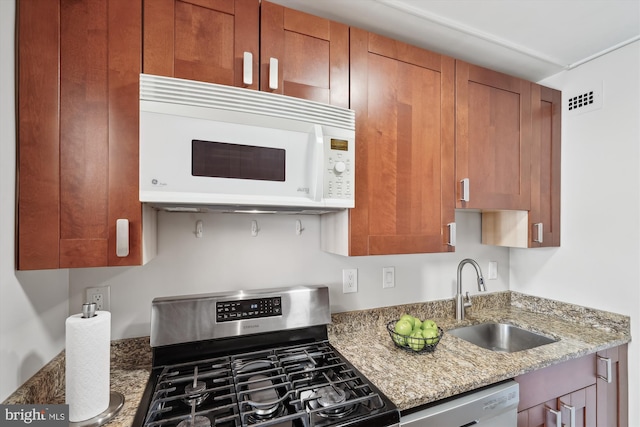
<point>227,311</point>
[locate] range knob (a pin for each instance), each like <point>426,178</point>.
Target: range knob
<point>339,167</point>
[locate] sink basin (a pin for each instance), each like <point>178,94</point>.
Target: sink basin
<point>501,337</point>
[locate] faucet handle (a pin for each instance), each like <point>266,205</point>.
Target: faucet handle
<point>467,302</point>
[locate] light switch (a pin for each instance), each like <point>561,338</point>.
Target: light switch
<point>493,270</point>
<point>388,277</point>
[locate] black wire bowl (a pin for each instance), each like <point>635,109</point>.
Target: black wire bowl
<point>413,344</point>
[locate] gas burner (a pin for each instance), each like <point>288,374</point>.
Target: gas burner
<point>308,369</point>
<point>263,397</point>
<point>199,421</point>
<point>331,395</point>
<point>195,393</point>
<point>331,400</point>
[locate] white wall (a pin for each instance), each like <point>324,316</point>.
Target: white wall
<point>598,263</point>
<point>34,305</point>
<point>229,258</point>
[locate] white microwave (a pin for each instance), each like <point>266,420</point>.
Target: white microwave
<point>208,147</point>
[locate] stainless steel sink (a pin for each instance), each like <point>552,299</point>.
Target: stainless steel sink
<point>501,337</point>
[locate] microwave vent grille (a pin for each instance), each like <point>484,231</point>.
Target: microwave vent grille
<point>214,96</point>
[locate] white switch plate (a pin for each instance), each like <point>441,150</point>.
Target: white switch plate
<point>493,270</point>
<point>349,280</point>
<point>388,277</point>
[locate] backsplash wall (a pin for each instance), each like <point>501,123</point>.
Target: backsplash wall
<point>228,257</point>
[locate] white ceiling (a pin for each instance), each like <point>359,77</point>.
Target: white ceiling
<point>532,39</point>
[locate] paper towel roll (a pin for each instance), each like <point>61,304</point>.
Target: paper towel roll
<point>88,350</point>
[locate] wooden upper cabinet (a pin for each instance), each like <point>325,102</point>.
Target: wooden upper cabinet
<point>38,134</point>
<point>312,55</point>
<point>78,64</point>
<point>493,138</point>
<point>202,40</point>
<point>403,97</point>
<point>206,40</point>
<point>544,217</point>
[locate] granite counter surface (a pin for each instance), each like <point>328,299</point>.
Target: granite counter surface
<point>130,369</point>
<point>412,379</point>
<point>408,379</point>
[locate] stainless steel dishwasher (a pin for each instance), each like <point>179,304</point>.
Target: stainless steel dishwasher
<point>491,406</point>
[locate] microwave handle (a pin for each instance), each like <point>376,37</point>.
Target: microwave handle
<point>318,163</point>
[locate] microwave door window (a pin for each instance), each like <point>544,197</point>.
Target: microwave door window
<point>224,160</point>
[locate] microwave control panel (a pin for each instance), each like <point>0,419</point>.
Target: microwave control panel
<point>227,311</point>
<point>339,176</point>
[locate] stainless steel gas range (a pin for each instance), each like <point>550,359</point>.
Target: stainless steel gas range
<point>254,358</point>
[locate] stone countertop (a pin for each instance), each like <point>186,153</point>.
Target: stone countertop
<point>413,379</point>
<point>409,379</point>
<point>130,369</point>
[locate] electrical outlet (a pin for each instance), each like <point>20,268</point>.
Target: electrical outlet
<point>349,280</point>
<point>101,296</point>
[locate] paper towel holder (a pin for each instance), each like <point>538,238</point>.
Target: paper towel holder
<point>116,399</point>
<point>116,402</point>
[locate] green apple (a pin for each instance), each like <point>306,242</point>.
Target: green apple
<point>417,324</point>
<point>429,324</point>
<point>409,318</point>
<point>401,340</point>
<point>403,327</point>
<point>416,341</point>
<point>430,335</point>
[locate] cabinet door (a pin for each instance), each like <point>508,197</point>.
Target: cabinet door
<point>403,98</point>
<point>38,134</point>
<point>125,48</point>
<point>202,40</point>
<point>312,55</point>
<point>613,391</point>
<point>579,407</point>
<point>84,137</point>
<point>95,151</point>
<point>542,415</point>
<point>493,138</point>
<point>576,409</point>
<point>544,217</point>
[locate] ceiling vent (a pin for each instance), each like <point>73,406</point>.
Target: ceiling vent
<point>588,100</point>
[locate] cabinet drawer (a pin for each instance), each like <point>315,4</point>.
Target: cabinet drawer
<point>547,384</point>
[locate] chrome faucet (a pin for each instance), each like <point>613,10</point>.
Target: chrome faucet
<point>461,303</point>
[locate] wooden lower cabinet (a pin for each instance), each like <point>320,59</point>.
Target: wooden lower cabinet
<point>613,390</point>
<point>573,394</point>
<point>579,405</point>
